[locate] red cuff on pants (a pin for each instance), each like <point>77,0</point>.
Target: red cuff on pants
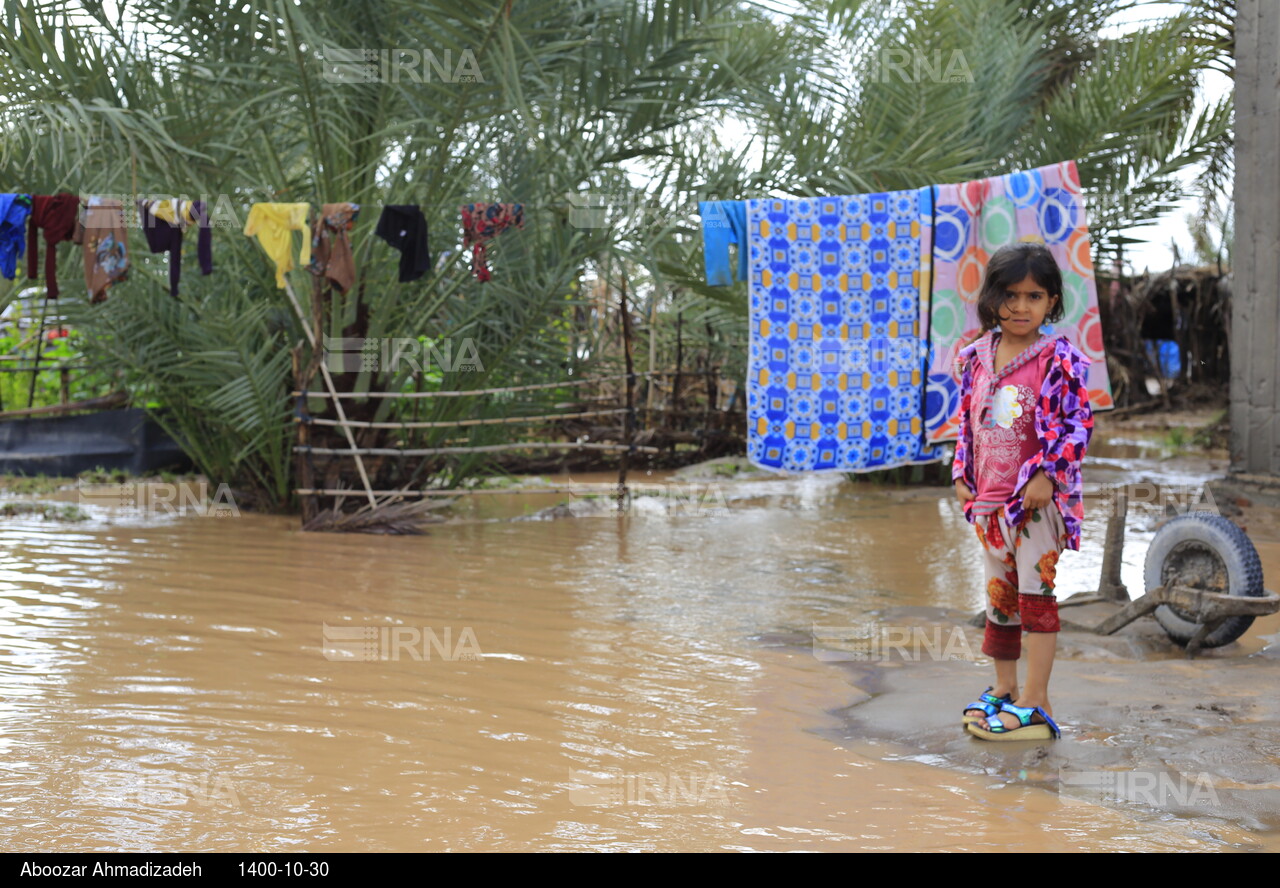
<point>1039,612</point>
<point>1002,642</point>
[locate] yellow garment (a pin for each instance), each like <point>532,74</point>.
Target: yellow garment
<point>273,224</point>
<point>163,209</point>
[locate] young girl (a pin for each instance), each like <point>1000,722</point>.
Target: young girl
<point>1025,422</point>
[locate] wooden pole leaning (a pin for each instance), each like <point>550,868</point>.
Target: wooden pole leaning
<point>337,402</point>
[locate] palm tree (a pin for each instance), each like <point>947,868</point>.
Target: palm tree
<point>239,103</point>
<point>545,103</point>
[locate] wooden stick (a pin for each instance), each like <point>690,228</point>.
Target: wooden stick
<point>653,359</point>
<point>586,490</point>
<point>35,368</point>
<point>310,507</point>
<point>488,391</point>
<point>487,448</point>
<point>467,393</point>
<point>106,402</point>
<point>628,421</point>
<point>507,420</point>
<point>1109,584</point>
<point>337,403</point>
<point>675,383</point>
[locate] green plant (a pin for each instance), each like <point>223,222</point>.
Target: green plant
<point>100,475</point>
<point>47,511</point>
<point>26,485</point>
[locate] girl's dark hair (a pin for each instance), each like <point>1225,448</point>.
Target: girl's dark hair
<point>1010,265</point>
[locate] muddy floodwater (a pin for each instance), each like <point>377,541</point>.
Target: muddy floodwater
<point>600,682</point>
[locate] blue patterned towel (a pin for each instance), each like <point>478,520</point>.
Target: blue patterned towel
<point>836,362</point>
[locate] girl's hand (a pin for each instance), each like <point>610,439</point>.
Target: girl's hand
<point>962,491</point>
<point>1038,492</point>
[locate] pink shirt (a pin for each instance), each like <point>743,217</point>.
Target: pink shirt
<point>999,452</point>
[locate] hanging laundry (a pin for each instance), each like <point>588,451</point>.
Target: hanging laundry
<point>835,360</point>
<point>331,247</point>
<point>164,221</point>
<point>101,234</point>
<point>405,228</point>
<point>14,210</point>
<point>58,215</point>
<point>481,223</point>
<point>273,224</point>
<point>972,221</point>
<point>724,222</point>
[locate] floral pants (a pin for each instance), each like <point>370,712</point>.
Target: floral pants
<point>1020,565</point>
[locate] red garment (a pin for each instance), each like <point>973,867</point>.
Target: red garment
<point>1063,422</point>
<point>1039,613</point>
<point>1002,642</point>
<point>1004,440</point>
<point>481,222</point>
<point>58,215</point>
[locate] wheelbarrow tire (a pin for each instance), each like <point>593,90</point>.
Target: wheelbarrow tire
<point>1209,552</point>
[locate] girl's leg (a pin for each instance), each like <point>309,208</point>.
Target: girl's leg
<point>1041,648</point>
<point>1040,543</point>
<point>1002,640</point>
<point>1006,679</point>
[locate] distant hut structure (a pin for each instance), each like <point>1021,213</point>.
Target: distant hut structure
<point>1187,305</point>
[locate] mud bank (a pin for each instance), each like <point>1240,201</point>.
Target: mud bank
<point>1142,726</point>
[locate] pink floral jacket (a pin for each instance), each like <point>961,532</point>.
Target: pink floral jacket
<point>1064,424</point>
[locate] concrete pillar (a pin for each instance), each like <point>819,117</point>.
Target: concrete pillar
<point>1255,316</point>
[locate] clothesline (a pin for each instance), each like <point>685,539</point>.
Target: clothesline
<point>99,226</point>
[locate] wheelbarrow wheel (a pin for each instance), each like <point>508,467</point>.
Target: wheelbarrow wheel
<point>1208,552</point>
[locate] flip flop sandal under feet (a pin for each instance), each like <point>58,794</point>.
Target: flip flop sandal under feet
<point>991,728</point>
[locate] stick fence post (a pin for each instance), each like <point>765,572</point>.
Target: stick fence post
<point>337,402</point>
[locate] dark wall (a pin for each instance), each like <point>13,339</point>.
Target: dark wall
<point>68,445</point>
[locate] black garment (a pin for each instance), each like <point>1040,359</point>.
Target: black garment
<point>165,237</point>
<point>405,228</point>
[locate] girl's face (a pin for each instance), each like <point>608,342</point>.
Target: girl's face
<point>1025,307</point>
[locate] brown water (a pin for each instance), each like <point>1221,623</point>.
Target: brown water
<point>595,683</point>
